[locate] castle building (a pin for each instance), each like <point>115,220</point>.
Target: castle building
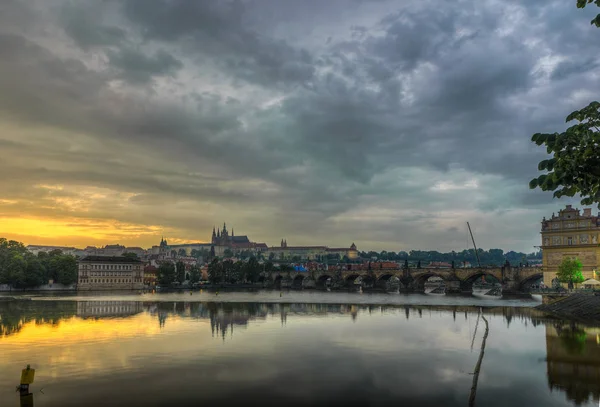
<point>285,252</point>
<point>221,240</point>
<point>570,234</point>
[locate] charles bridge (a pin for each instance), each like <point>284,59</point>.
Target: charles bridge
<point>513,279</point>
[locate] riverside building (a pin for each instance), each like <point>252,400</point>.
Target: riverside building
<point>110,273</point>
<point>571,233</point>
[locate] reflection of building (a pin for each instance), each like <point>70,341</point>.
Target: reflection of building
<point>285,252</point>
<point>573,361</point>
<point>570,234</point>
<point>150,275</point>
<point>110,273</point>
<point>87,309</point>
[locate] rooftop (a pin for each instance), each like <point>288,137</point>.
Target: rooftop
<point>110,259</point>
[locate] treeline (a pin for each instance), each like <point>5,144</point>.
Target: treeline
<point>20,268</point>
<point>219,272</point>
<point>492,257</point>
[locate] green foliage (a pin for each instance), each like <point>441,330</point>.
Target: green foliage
<point>583,3</point>
<point>285,267</point>
<point>228,272</point>
<point>180,272</point>
<point>574,167</point>
<point>215,271</point>
<point>492,257</point>
<point>166,274</point>
<point>66,269</point>
<point>269,268</point>
<point>22,269</point>
<point>227,253</point>
<point>130,255</point>
<point>569,271</point>
<point>200,253</point>
<point>573,340</point>
<point>252,270</point>
<point>195,274</point>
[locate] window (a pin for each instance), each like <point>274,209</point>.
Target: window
<point>570,241</point>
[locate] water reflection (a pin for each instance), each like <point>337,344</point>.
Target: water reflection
<point>407,354</point>
<point>573,360</point>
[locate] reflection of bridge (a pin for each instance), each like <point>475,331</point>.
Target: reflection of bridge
<point>513,279</point>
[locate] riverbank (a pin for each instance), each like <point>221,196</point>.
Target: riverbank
<point>582,307</point>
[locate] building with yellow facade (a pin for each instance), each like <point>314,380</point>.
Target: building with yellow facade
<point>319,253</point>
<point>570,234</point>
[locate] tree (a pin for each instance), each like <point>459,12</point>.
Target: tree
<point>227,253</point>
<point>130,255</point>
<point>228,271</point>
<point>269,267</point>
<point>575,164</point>
<point>66,267</point>
<point>252,270</point>
<point>569,271</point>
<point>166,274</point>
<point>574,167</point>
<point>215,271</point>
<point>583,3</point>
<point>180,271</point>
<point>194,274</point>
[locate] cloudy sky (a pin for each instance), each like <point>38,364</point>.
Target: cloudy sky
<point>389,123</point>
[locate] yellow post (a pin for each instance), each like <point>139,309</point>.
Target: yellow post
<point>27,375</point>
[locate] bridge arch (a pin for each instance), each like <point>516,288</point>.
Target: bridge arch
<point>467,283</point>
<point>298,280</point>
<point>277,280</point>
<point>525,284</point>
<point>350,278</point>
<point>385,278</point>
<point>420,280</point>
<point>321,282</point>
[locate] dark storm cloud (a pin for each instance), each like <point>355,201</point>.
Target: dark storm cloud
<point>360,106</point>
<point>138,67</point>
<point>218,29</point>
<point>80,22</point>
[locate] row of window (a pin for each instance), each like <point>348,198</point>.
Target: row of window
<point>111,266</point>
<point>114,280</point>
<point>109,273</point>
<point>570,240</point>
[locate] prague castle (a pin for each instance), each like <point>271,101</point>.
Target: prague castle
<point>222,241</point>
<point>570,234</point>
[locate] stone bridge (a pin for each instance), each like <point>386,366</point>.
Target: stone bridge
<point>513,279</point>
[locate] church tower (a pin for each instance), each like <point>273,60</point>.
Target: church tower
<point>214,236</point>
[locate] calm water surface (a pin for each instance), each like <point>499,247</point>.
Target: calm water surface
<point>260,348</point>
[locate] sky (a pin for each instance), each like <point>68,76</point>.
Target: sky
<point>387,123</point>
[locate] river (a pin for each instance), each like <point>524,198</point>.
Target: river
<point>292,348</point>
